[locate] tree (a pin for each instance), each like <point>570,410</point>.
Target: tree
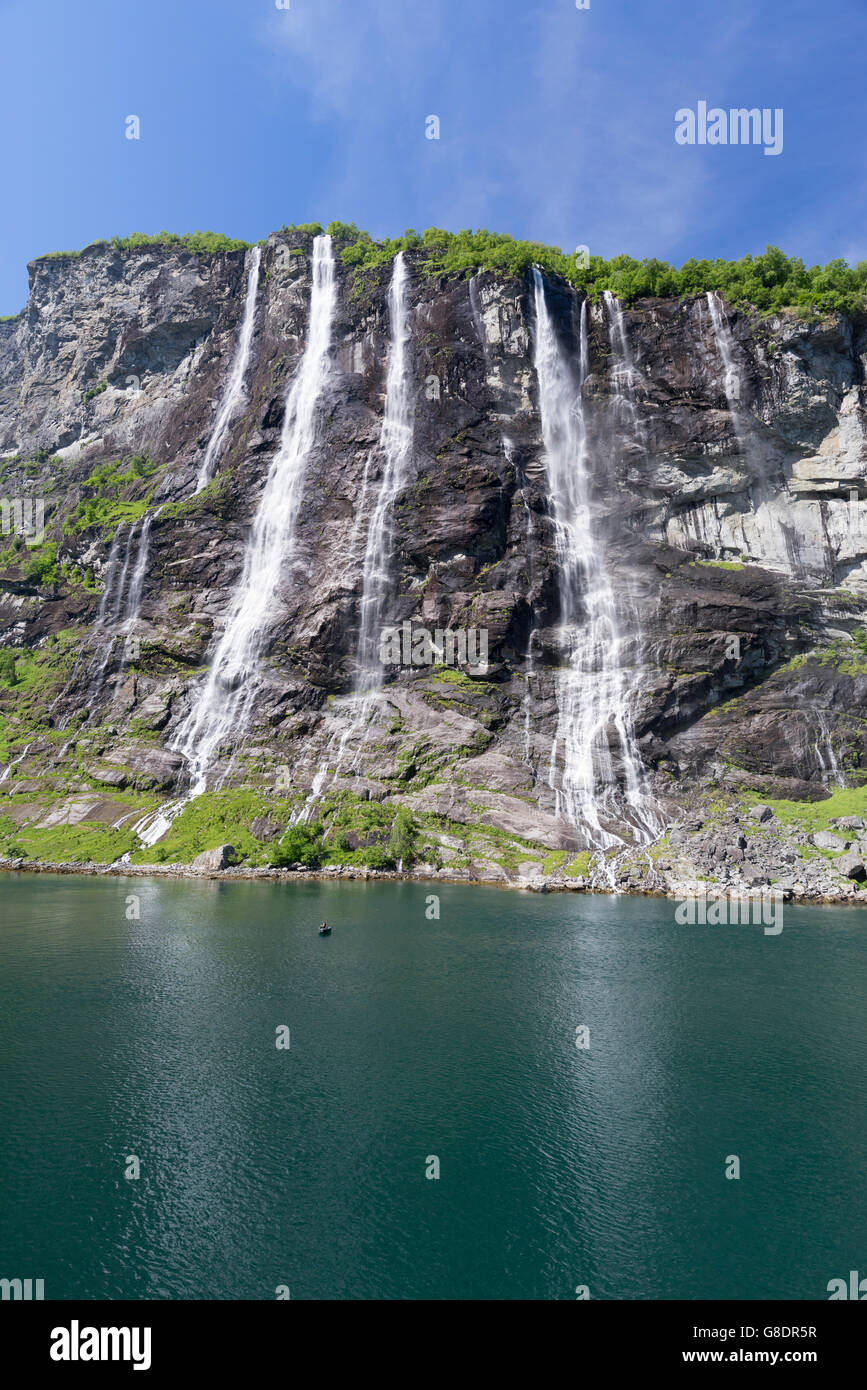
<point>402,841</point>
<point>301,844</point>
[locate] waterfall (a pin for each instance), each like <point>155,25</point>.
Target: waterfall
<point>773,543</point>
<point>395,442</point>
<point>234,391</point>
<point>133,601</point>
<point>113,557</point>
<point>725,347</point>
<point>622,369</point>
<point>395,448</point>
<point>14,763</point>
<point>592,696</point>
<point>136,584</point>
<point>832,768</point>
<point>129,611</point>
<point>111,603</point>
<point>529,657</point>
<point>222,704</point>
<point>117,605</point>
<point>110,609</point>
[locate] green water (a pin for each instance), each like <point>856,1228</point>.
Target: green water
<point>411,1038</point>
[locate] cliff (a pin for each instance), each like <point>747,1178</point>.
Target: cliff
<point>724,503</point>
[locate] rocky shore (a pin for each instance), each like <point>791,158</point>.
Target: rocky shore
<point>738,856</point>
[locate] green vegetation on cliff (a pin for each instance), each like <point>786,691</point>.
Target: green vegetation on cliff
<point>771,281</point>
<point>812,816</point>
<point>86,843</point>
<point>208,243</point>
<point>109,506</point>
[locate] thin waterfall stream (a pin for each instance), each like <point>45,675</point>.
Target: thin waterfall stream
<point>395,447</point>
<point>221,707</point>
<point>234,391</point>
<point>593,695</point>
<point>776,547</point>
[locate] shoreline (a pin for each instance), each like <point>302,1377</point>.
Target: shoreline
<point>350,873</point>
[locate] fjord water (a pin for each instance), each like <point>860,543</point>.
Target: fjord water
<point>410,1038</point>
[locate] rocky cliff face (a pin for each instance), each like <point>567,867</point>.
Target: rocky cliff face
<point>730,498</point>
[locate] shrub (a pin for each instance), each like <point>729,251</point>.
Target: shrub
<point>771,281</point>
<point>210,243</point>
<point>300,844</point>
<point>8,673</point>
<point>43,568</point>
<point>375,857</point>
<point>402,841</point>
<point>342,231</point>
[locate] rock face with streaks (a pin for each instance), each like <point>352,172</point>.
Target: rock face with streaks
<point>735,535</point>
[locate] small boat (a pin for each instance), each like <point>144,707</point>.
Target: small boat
<point>324,929</point>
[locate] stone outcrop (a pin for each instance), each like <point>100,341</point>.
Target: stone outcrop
<point>737,543</point>
<point>213,861</point>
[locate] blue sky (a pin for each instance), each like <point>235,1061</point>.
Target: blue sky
<point>556,124</point>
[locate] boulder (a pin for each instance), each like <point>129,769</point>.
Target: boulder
<point>823,839</point>
<point>147,765</point>
<point>754,876</point>
<point>852,865</point>
<point>110,776</point>
<point>761,813</point>
<point>263,828</point>
<point>214,860</point>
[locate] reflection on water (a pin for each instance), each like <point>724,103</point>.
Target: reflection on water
<point>410,1038</point>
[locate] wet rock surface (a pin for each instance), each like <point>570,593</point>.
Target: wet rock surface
<point>737,543</point>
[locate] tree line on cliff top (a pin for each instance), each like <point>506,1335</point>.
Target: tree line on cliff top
<point>771,281</point>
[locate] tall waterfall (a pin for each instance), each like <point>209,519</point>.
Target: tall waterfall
<point>111,605</point>
<point>111,570</point>
<point>395,449</point>
<point>235,384</point>
<point>725,347</point>
<point>622,369</point>
<point>117,606</point>
<point>136,584</point>
<point>117,617</point>
<point>592,688</point>
<point>773,542</point>
<point>110,609</point>
<point>132,608</point>
<point>223,702</point>
<point>395,442</point>
<point>21,756</point>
